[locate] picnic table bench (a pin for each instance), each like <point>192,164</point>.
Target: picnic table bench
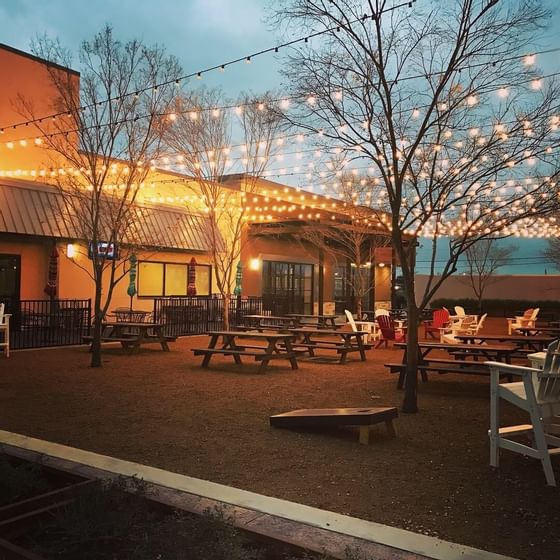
<point>279,346</point>
<point>523,344</point>
<point>458,364</point>
<point>269,322</point>
<point>348,341</point>
<point>365,418</point>
<point>320,321</point>
<point>133,335</point>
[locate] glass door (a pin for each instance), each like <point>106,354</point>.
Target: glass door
<point>288,287</point>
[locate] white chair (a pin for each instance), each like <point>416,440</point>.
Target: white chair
<point>381,311</point>
<point>367,326</point>
<point>527,320</point>
<point>5,330</point>
<point>459,311</point>
<point>538,393</point>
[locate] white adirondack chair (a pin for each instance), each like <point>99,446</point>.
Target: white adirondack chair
<point>467,325</point>
<point>381,311</point>
<point>367,326</point>
<point>538,393</point>
<point>4,331</point>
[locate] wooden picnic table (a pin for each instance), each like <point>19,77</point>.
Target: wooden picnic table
<point>539,331</point>
<point>523,343</point>
<point>348,341</point>
<point>322,321</point>
<point>279,346</point>
<point>275,322</point>
<point>133,335</point>
<point>459,363</point>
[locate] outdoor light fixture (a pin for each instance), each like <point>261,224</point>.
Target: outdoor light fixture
<point>254,264</point>
<point>71,250</point>
<point>381,265</point>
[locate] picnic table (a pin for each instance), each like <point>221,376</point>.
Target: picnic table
<point>274,322</point>
<point>523,343</point>
<point>459,363</point>
<point>278,346</point>
<point>539,331</point>
<point>133,335</point>
<point>322,321</point>
<point>347,341</point>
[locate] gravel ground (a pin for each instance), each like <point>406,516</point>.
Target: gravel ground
<point>162,409</point>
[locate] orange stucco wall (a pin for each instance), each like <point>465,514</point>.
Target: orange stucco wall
<point>34,256</point>
<point>28,76</point>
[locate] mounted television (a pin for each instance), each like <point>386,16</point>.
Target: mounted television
<point>105,250</point>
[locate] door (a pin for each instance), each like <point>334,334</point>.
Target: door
<point>10,270</point>
<point>287,287</point>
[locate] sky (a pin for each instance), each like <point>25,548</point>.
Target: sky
<point>204,33</point>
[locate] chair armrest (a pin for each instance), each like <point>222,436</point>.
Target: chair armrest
<point>511,369</point>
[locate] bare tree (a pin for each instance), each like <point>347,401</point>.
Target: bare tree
<point>436,102</point>
<point>352,239</point>
<point>100,150</point>
<point>200,137</point>
<point>552,252</point>
<point>484,258</point>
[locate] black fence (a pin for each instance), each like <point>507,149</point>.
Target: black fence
<point>36,323</point>
<point>199,314</point>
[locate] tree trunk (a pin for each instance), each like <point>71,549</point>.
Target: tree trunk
<point>97,321</point>
<point>410,402</point>
<point>359,306</point>
<point>227,300</point>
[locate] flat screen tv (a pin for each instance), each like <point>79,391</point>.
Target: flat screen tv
<point>104,250</point>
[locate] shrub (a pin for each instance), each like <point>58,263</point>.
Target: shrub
<point>18,482</point>
<point>549,309</point>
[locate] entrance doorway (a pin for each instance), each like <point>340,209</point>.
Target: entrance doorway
<point>10,276</point>
<point>288,287</point>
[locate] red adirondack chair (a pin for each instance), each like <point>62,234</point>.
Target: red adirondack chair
<point>440,320</point>
<point>389,332</point>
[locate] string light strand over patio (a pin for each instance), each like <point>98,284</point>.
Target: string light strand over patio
<point>247,59</point>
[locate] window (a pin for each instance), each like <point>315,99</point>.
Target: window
<point>156,279</point>
<point>288,286</point>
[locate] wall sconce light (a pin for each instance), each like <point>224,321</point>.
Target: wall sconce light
<point>254,264</point>
<point>71,250</point>
<point>381,265</point>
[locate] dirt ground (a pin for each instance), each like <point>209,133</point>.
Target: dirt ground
<point>162,409</point>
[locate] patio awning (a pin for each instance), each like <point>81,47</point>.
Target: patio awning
<point>29,208</point>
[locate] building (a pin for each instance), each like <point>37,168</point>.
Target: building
<point>169,228</point>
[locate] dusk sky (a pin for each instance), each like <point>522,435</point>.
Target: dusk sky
<point>202,33</point>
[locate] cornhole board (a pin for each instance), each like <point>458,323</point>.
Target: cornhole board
<point>365,418</point>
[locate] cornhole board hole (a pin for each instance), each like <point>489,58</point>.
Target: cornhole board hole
<point>365,418</point>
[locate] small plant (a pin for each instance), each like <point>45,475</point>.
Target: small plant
<point>18,482</point>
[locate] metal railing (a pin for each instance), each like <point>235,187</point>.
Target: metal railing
<point>36,323</point>
<point>199,314</point>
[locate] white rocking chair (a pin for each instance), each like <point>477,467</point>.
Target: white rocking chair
<point>538,393</point>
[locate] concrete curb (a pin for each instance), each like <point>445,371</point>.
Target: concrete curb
<point>316,529</point>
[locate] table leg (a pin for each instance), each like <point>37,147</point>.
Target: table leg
<point>212,344</point>
<point>365,433</point>
<point>290,350</point>
<point>390,429</point>
<point>360,341</point>
<point>229,344</point>
<point>161,338</point>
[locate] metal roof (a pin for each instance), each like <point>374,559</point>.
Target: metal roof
<point>37,209</point>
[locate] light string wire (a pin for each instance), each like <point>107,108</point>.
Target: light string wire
<point>222,66</point>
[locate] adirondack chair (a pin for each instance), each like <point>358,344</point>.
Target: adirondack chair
<point>538,393</point>
<point>440,320</point>
<point>4,331</point>
<point>367,326</point>
<point>528,319</point>
<point>459,311</point>
<point>389,332</point>
<point>378,312</point>
<point>467,325</point>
